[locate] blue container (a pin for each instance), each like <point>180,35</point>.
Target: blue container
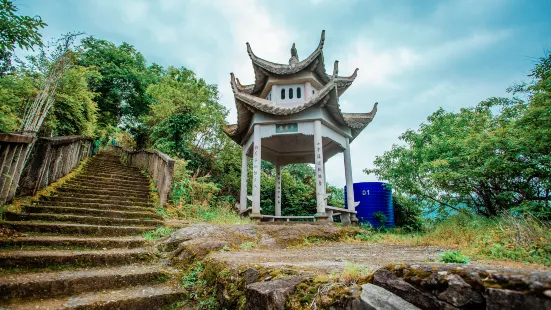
<point>373,197</point>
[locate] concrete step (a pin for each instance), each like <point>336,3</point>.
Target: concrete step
<point>69,242</point>
<point>129,198</point>
<point>113,169</point>
<point>122,183</point>
<point>75,229</point>
<point>71,282</point>
<point>145,297</point>
<point>79,201</point>
<point>100,163</point>
<point>92,178</point>
<point>94,205</point>
<point>80,219</point>
<point>122,173</point>
<point>127,213</point>
<point>70,258</point>
<point>103,178</point>
<point>112,186</point>
<point>103,190</point>
<point>110,165</point>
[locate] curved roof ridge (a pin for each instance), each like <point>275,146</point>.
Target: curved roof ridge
<point>360,120</point>
<point>343,82</point>
<point>244,88</point>
<point>272,67</point>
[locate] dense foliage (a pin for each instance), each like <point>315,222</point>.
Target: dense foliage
<point>110,92</point>
<point>487,159</point>
<point>16,31</point>
<point>493,157</point>
<point>123,80</point>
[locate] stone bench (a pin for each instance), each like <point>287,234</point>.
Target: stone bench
<point>283,218</point>
<point>331,212</point>
<point>343,213</point>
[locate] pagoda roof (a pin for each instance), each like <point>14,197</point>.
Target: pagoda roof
<point>264,68</point>
<point>247,104</point>
<point>313,63</point>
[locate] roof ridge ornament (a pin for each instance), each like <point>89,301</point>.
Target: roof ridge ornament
<point>294,55</point>
<point>336,69</point>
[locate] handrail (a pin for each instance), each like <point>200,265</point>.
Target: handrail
<point>29,164</point>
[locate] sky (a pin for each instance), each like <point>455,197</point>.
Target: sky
<point>414,56</point>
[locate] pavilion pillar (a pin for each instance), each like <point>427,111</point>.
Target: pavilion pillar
<point>257,159</point>
<point>320,173</point>
<point>244,177</point>
<point>349,183</point>
<point>278,191</point>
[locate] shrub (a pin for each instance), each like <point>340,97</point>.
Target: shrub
<point>380,217</point>
<point>196,198</point>
<point>407,213</point>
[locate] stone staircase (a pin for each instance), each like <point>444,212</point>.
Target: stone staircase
<point>82,246</point>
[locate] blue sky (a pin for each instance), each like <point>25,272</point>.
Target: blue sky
<point>413,56</point>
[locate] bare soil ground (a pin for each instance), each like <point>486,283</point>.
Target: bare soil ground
<point>332,257</point>
<point>302,247</point>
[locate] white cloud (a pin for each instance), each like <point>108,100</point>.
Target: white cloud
<point>379,64</point>
<point>402,60</point>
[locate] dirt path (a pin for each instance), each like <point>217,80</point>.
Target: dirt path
<point>332,257</point>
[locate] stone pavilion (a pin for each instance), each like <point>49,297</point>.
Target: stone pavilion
<point>291,114</point>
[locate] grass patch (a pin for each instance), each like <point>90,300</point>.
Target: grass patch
<point>510,237</point>
<point>247,245</point>
<point>157,234</point>
<point>199,293</point>
<point>353,273</point>
<point>454,257</point>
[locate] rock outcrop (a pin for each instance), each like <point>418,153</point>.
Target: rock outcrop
<point>449,286</point>
<point>270,295</point>
<point>374,297</point>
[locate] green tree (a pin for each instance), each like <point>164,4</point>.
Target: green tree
<point>74,111</point>
<point>192,106</point>
<point>123,80</point>
<point>16,90</point>
<point>16,31</point>
<point>298,189</point>
<point>486,159</point>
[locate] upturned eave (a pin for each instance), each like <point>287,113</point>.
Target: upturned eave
<point>327,98</point>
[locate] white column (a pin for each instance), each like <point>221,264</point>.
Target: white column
<point>244,177</point>
<point>275,94</point>
<point>278,191</point>
<point>256,169</point>
<point>349,182</point>
<point>325,183</point>
<point>320,173</point>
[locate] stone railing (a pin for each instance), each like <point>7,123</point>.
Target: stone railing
<point>14,149</point>
<point>159,166</point>
<point>51,159</point>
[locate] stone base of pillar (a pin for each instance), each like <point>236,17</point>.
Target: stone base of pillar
<point>354,219</point>
<point>321,217</point>
<point>255,217</point>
